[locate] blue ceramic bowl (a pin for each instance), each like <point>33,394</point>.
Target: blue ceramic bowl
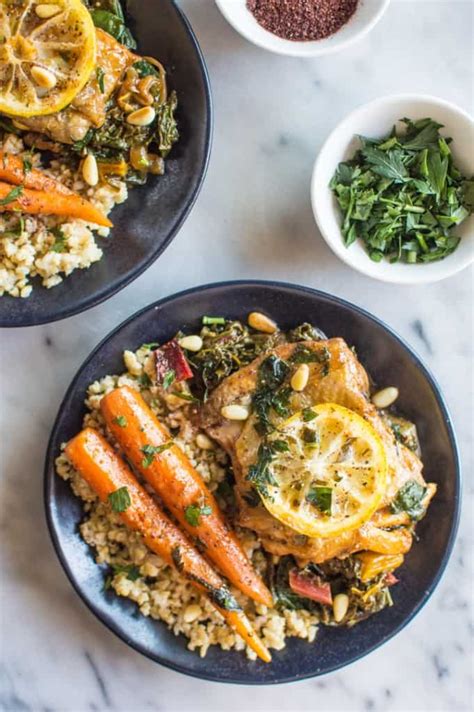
<point>147,222</point>
<point>388,359</point>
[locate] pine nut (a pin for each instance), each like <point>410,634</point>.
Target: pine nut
<point>260,322</point>
<point>235,412</point>
<point>385,397</point>
<point>45,11</point>
<point>191,612</point>
<point>90,170</point>
<point>203,442</point>
<point>132,364</point>
<point>191,343</point>
<point>142,117</point>
<point>43,77</point>
<point>299,380</point>
<point>340,606</point>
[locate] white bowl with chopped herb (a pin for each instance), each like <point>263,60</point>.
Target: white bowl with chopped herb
<point>393,189</point>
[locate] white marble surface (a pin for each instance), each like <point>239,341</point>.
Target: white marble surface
<point>253,219</point>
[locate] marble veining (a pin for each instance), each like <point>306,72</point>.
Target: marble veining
<point>253,219</point>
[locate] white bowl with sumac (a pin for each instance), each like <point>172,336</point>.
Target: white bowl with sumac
<point>303,28</point>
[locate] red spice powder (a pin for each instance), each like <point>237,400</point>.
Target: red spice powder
<point>302,19</point>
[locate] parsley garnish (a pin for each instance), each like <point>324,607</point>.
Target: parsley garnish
<point>144,380</point>
<point>60,243</point>
<point>150,346</point>
<point>27,165</point>
<point>151,450</point>
<point>194,512</point>
<point>121,421</point>
<point>144,68</point>
<point>132,571</point>
<point>100,79</point>
<point>259,474</point>
<point>321,497</point>
<point>185,396</point>
<point>170,377</point>
<point>12,195</point>
<point>409,499</point>
<point>309,414</point>
<point>120,499</point>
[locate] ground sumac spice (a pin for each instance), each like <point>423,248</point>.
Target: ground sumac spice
<point>302,19</point>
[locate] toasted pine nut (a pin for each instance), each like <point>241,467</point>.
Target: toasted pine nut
<point>385,397</point>
<point>235,412</point>
<point>191,343</point>
<point>90,170</point>
<point>203,442</point>
<point>260,322</point>
<point>45,11</point>
<point>132,363</point>
<point>142,117</point>
<point>299,380</point>
<point>43,77</point>
<point>340,605</point>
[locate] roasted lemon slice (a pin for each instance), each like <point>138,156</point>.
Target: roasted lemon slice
<point>326,471</point>
<point>47,54</point>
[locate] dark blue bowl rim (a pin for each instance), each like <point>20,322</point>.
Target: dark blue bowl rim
<point>89,302</point>
<point>110,624</point>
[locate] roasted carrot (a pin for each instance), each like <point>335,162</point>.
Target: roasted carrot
<point>106,473</point>
<point>13,170</point>
<point>46,203</point>
<point>148,446</point>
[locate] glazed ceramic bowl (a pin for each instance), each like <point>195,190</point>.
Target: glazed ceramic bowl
<point>152,215</point>
<point>377,119</point>
<point>388,359</point>
<point>364,19</point>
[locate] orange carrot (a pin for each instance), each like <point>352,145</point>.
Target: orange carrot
<point>12,170</point>
<point>148,446</point>
<point>46,203</point>
<point>107,474</point>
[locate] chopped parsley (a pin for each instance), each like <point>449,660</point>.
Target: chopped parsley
<point>309,414</point>
<point>185,396</point>
<point>144,380</point>
<point>170,377</point>
<point>120,500</point>
<point>121,421</point>
<point>409,499</point>
<point>194,512</point>
<point>259,474</point>
<point>100,74</point>
<point>152,345</point>
<point>280,446</point>
<point>27,164</point>
<point>12,195</point>
<point>271,393</point>
<point>151,450</point>
<point>321,497</point>
<point>60,242</point>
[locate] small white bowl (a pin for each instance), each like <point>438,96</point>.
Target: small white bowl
<point>376,119</point>
<point>366,16</point>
